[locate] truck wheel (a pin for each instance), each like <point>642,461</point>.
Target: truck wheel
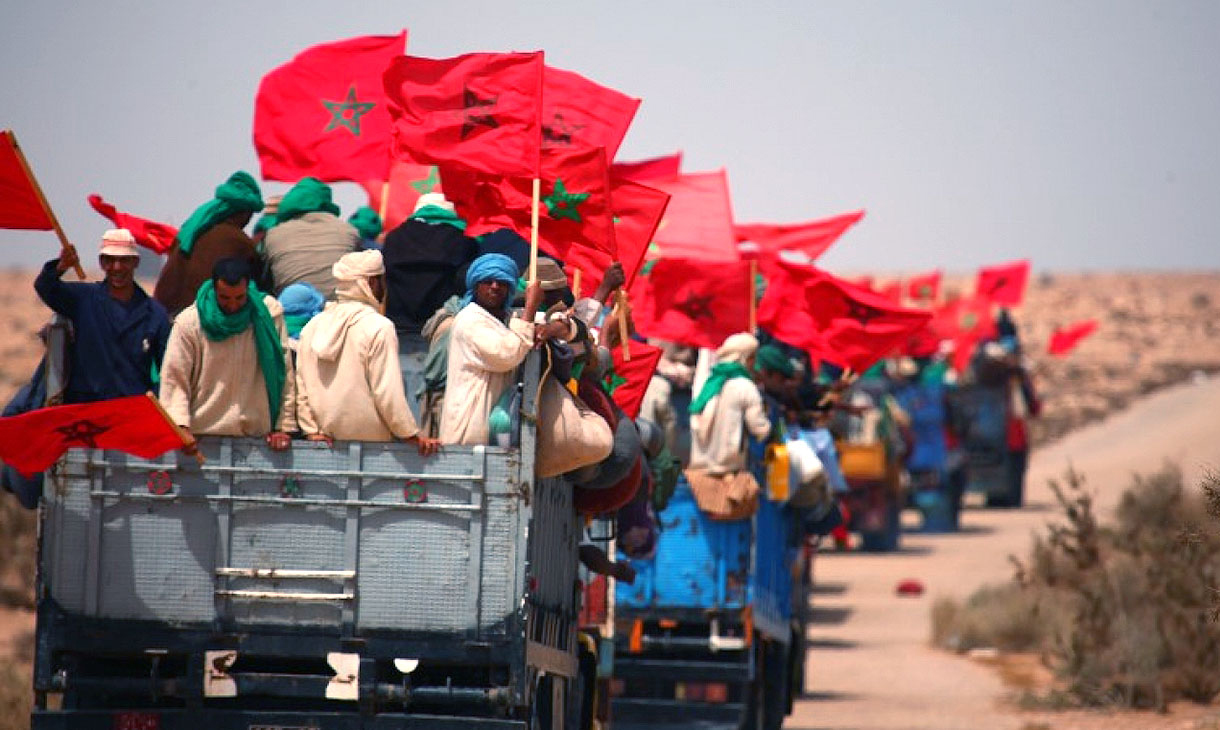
<point>887,538</point>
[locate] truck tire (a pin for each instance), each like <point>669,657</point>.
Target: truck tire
<point>886,539</point>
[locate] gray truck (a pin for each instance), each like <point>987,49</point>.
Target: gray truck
<point>357,585</point>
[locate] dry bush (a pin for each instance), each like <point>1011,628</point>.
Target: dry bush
<point>16,696</point>
<point>18,533</point>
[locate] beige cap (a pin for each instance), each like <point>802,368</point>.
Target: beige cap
<point>118,242</point>
<point>437,199</point>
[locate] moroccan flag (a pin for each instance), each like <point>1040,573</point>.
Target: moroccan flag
<point>693,303</point>
<point>407,182</point>
<point>698,223</point>
<point>833,320</point>
<point>629,379</point>
<point>924,287</point>
<point>1003,284</point>
<point>324,112</point>
<point>20,204</point>
<point>655,168</point>
<point>966,322</point>
<point>892,291</point>
<point>1064,339</point>
<point>578,112</point>
<point>575,217</point>
<point>480,112</point>
<point>158,237</point>
<point>33,441</point>
<point>637,212</point>
<point>811,238</point>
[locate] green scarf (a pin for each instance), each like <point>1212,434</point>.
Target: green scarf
<point>366,220</point>
<point>238,194</point>
<point>310,195</point>
<point>295,323</point>
<point>436,214</point>
<point>721,374</point>
<point>219,326</point>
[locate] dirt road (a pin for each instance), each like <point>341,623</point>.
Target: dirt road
<point>871,666</point>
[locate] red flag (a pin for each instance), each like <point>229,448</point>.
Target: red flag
<point>1003,284</point>
<point>407,182</point>
<point>698,223</point>
<point>480,111</point>
<point>1064,339</point>
<point>966,322</point>
<point>20,204</point>
<point>892,291</point>
<point>693,303</point>
<point>33,441</point>
<point>577,111</point>
<point>629,379</point>
<point>637,212</point>
<point>655,168</point>
<point>150,234</point>
<point>324,113</point>
<point>924,287</point>
<point>834,320</point>
<point>811,238</point>
<point>574,221</point>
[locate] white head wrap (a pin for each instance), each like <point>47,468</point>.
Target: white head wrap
<point>737,348</point>
<point>353,271</point>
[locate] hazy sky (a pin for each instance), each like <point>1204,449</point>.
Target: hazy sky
<point>1081,134</point>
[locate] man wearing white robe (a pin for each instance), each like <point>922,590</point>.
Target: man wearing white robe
<point>732,407</point>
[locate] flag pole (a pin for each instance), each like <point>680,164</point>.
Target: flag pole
<point>385,201</point>
<point>534,231</point>
<point>187,440</point>
<point>576,284</point>
<point>753,295</point>
<point>42,199</point>
<point>624,339</point>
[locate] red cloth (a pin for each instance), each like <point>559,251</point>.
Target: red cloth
<point>324,113</point>
<point>654,168</point>
<point>33,441</point>
<point>158,237</point>
<point>1016,434</point>
<point>924,287</point>
<point>20,206</point>
<point>1003,284</point>
<point>630,378</point>
<point>834,320</point>
<point>698,224</point>
<point>574,215</point>
<point>892,291</point>
<point>637,213</point>
<point>577,111</point>
<point>408,181</point>
<point>966,322</point>
<point>811,237</point>
<point>480,112</point>
<point>1064,339</point>
<point>693,303</point>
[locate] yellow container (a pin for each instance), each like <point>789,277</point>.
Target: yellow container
<point>777,473</point>
<point>862,461</point>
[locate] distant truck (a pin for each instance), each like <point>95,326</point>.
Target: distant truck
<point>359,586</point>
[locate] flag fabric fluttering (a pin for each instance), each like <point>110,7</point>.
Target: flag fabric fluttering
<point>924,287</point>
<point>966,323</point>
<point>577,112</point>
<point>811,238</point>
<point>892,291</point>
<point>158,237</point>
<point>834,320</point>
<point>1064,339</point>
<point>33,441</point>
<point>20,205</point>
<point>406,183</point>
<point>324,113</point>
<point>1003,284</point>
<point>698,223</point>
<point>654,168</point>
<point>480,112</point>
<point>693,303</point>
<point>638,210</point>
<point>628,380</point>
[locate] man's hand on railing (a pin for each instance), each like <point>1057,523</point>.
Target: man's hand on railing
<point>279,441</point>
<point>427,446</point>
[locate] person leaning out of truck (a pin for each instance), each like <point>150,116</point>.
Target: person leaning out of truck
<point>227,371</point>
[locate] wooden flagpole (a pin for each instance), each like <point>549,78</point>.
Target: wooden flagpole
<point>576,284</point>
<point>186,441</point>
<point>385,201</point>
<point>534,231</point>
<point>623,335</point>
<point>753,295</point>
<point>42,199</point>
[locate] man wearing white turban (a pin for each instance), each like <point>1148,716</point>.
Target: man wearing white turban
<point>348,383</point>
<point>728,400</point>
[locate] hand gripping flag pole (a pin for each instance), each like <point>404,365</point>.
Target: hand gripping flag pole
<point>188,441</point>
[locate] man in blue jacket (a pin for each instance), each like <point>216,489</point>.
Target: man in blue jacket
<point>119,338</point>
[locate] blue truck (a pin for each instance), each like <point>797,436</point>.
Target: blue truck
<point>353,586</point>
<point>712,631</point>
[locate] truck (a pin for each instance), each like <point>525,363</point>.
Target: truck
<point>712,631</point>
<point>353,585</point>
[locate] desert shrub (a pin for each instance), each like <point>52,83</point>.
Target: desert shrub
<point>16,696</point>
<point>18,529</point>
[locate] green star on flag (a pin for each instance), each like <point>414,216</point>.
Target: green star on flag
<point>613,381</point>
<point>339,112</point>
<point>562,204</point>
<point>429,183</point>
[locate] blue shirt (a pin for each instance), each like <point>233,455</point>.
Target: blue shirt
<point>116,344</point>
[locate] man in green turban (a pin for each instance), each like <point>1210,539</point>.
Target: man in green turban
<point>368,223</point>
<point>227,371</point>
<point>214,231</point>
<point>774,370</point>
<point>308,239</point>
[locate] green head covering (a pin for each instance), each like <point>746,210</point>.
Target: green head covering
<point>218,326</point>
<point>721,374</point>
<point>238,194</point>
<point>770,357</point>
<point>310,195</point>
<point>265,223</point>
<point>436,214</point>
<point>366,221</point>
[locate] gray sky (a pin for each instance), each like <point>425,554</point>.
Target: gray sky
<point>1082,134</point>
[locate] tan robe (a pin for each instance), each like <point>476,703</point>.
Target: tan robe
<point>658,407</point>
<point>305,249</point>
<point>483,355</point>
<point>217,388</point>
<point>349,385</point>
<point>717,434</point>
